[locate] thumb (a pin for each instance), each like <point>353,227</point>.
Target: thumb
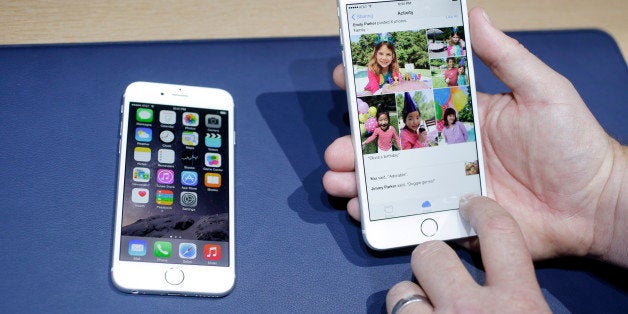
<point>529,78</point>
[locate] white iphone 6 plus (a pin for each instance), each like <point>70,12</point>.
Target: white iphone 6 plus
<point>413,115</point>
<point>174,227</point>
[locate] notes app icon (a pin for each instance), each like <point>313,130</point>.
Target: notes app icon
<point>141,154</point>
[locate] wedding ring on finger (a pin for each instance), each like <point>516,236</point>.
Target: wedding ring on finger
<point>409,300</point>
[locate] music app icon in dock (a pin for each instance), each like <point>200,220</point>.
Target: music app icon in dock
<point>212,252</point>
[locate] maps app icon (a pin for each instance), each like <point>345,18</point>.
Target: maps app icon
<point>187,250</point>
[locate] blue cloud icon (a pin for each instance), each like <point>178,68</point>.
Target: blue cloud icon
<point>426,204</point>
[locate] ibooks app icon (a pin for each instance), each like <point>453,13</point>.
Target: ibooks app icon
<point>213,180</point>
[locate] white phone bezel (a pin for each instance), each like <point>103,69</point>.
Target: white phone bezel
<point>144,277</point>
<point>403,231</point>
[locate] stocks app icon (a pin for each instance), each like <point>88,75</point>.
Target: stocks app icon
<point>189,158</point>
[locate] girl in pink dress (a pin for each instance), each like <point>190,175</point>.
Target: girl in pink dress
<point>412,120</point>
<point>384,133</point>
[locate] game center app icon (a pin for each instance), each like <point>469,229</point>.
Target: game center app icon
<point>213,160</point>
<point>137,248</point>
<point>187,250</point>
<point>144,115</point>
<point>140,195</point>
<point>212,252</point>
<point>190,119</point>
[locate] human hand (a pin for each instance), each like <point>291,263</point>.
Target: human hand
<point>510,286</point>
<point>564,189</point>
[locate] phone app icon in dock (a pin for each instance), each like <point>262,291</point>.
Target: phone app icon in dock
<point>163,249</point>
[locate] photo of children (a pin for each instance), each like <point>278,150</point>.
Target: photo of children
<point>379,125</point>
<point>446,42</point>
<point>390,63</point>
<point>445,72</point>
<point>455,115</point>
<point>418,124</point>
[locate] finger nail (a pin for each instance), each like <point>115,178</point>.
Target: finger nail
<point>464,200</point>
<point>486,16</point>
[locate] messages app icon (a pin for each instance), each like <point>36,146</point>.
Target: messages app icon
<point>144,115</point>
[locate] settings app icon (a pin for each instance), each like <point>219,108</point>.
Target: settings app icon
<point>189,199</point>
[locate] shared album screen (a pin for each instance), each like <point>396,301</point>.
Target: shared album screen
<point>414,111</point>
<point>176,191</point>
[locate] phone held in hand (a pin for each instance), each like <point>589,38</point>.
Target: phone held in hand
<point>414,118</point>
<point>174,227</point>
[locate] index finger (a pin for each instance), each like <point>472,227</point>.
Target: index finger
<point>339,76</point>
<point>504,252</point>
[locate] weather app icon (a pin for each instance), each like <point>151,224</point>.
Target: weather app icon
<point>143,134</point>
<point>187,250</point>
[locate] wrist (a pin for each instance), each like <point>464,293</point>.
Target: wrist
<point>610,239</point>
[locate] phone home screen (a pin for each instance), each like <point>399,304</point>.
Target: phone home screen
<point>176,186</point>
<point>413,105</point>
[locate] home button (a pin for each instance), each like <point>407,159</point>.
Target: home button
<point>429,227</point>
<point>174,276</point>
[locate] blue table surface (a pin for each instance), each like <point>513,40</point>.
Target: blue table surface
<point>296,250</point>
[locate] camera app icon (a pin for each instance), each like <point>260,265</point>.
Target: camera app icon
<point>213,121</point>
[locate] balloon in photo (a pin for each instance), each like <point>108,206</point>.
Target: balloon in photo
<point>460,100</point>
<point>362,106</point>
<point>370,124</point>
<point>372,111</point>
<point>363,117</point>
<point>441,96</point>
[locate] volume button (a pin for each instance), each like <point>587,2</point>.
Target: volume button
<point>342,43</point>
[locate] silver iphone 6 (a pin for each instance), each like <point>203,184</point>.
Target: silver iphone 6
<point>413,115</point>
<point>174,227</point>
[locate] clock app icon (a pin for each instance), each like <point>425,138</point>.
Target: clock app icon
<point>166,136</point>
